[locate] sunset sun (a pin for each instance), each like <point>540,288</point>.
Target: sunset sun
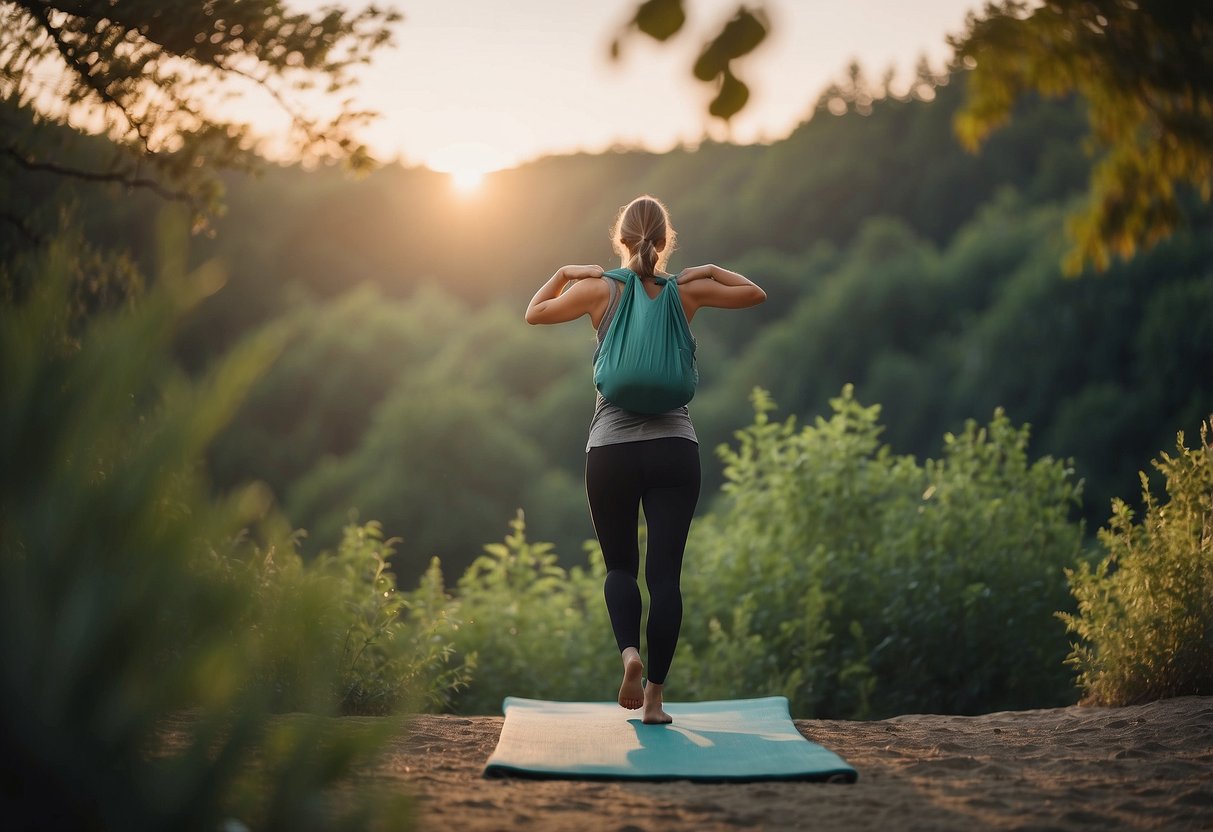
<point>466,163</point>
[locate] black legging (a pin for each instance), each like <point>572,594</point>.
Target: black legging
<point>663,474</point>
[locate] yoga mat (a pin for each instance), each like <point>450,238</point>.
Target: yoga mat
<point>737,739</point>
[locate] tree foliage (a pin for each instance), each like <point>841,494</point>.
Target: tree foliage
<point>152,76</point>
<point>1144,69</point>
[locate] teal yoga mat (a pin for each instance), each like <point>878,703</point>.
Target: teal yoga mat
<point>737,739</point>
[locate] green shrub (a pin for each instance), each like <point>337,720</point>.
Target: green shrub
<point>531,628</point>
<point>860,583</point>
<point>139,672</point>
<point>395,650</point>
<point>1145,612</point>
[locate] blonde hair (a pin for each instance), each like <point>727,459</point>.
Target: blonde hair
<point>643,237</point>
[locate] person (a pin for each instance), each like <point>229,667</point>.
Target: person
<point>635,459</point>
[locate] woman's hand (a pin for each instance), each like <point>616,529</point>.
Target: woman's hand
<point>575,273</point>
<point>694,273</point>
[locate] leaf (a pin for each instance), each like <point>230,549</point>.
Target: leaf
<point>732,97</point>
<point>741,35</point>
<point>660,19</point>
<point>711,62</point>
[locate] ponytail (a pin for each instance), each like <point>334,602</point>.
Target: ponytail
<point>644,260</point>
<point>643,237</point>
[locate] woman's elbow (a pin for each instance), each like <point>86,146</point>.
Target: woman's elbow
<point>757,296</point>
<point>541,313</point>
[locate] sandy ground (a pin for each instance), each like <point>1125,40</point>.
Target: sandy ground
<point>1141,767</point>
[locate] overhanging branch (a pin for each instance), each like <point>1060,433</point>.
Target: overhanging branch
<point>41,13</point>
<point>120,178</point>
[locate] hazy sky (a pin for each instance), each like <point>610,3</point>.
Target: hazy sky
<point>509,80</point>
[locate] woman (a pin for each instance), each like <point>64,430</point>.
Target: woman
<point>634,459</point>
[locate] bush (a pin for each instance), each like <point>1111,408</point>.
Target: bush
<point>859,583</point>
<point>395,650</point>
<point>531,628</point>
<point>1145,612</point>
<point>139,674</point>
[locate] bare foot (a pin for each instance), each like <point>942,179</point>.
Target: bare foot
<point>654,714</point>
<point>631,692</point>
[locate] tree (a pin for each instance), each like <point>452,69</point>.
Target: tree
<point>1145,71</point>
<point>1143,67</point>
<point>150,73</point>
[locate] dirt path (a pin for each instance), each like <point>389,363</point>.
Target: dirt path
<point>1142,767</point>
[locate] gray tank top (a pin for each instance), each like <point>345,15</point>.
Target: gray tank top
<point>613,425</point>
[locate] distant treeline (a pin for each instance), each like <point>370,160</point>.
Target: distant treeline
<point>929,277</point>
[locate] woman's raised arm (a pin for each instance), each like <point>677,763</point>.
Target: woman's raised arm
<point>553,305</point>
<point>711,285</point>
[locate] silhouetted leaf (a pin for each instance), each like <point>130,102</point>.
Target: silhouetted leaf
<point>741,35</point>
<point>711,63</point>
<point>660,19</point>
<point>732,97</point>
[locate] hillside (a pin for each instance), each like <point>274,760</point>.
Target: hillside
<point>925,275</point>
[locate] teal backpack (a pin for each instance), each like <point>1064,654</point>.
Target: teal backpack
<point>646,361</point>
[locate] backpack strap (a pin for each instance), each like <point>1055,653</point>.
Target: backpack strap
<point>620,275</point>
<point>612,306</point>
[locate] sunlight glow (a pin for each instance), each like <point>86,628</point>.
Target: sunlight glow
<point>466,181</point>
<point>466,163</point>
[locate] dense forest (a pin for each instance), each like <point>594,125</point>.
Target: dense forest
<point>411,391</point>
